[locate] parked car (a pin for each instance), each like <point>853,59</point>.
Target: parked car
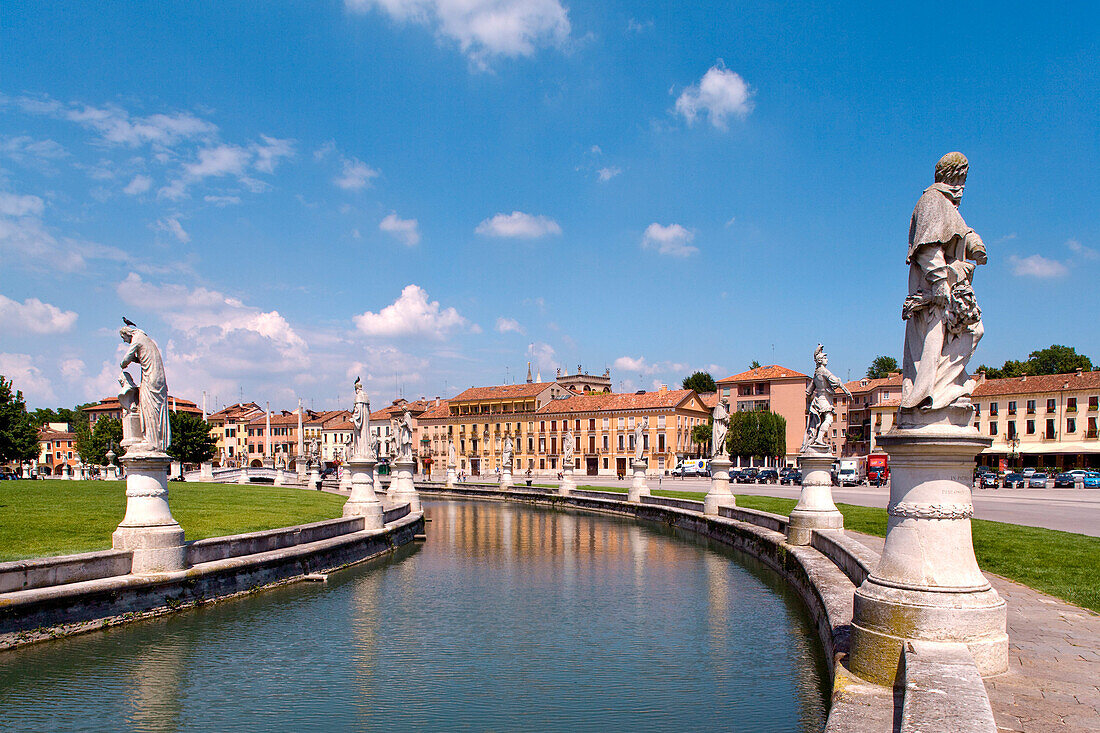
<point>735,475</point>
<point>1092,480</point>
<point>989,481</point>
<point>1064,480</point>
<point>1028,471</point>
<point>747,475</point>
<point>1015,481</point>
<point>1037,481</point>
<point>785,475</point>
<point>768,476</point>
<point>794,478</point>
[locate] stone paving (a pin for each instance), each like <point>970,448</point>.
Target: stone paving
<point>1053,682</point>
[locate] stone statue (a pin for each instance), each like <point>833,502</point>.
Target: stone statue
<point>506,455</point>
<point>943,321</point>
<point>822,411</point>
<point>639,429</point>
<point>376,447</point>
<point>404,437</point>
<point>360,419</point>
<point>131,415</point>
<point>451,463</point>
<point>719,429</point>
<point>152,392</point>
<point>567,447</point>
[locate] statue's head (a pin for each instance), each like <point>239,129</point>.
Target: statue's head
<point>127,333</point>
<point>952,169</point>
<point>820,357</point>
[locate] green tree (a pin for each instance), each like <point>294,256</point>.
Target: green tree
<point>191,438</point>
<point>700,382</point>
<point>18,433</point>
<point>757,434</point>
<point>93,444</point>
<point>1056,359</point>
<point>881,367</point>
<point>755,364</point>
<point>701,434</point>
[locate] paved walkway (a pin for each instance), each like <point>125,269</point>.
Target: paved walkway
<point>1053,681</point>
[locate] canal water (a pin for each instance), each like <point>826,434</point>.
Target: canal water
<point>509,617</point>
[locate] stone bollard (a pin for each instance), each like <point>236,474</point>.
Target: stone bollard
<point>315,479</point>
<point>927,586</point>
<point>206,471</point>
<point>720,494</point>
<point>363,502</point>
<point>402,489</point>
<point>638,485</point>
<point>148,529</point>
<point>345,477</point>
<point>568,483</point>
<point>815,508</point>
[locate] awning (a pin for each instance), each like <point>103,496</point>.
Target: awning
<point>1091,446</point>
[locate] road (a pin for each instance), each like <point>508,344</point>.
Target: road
<point>1070,510</point>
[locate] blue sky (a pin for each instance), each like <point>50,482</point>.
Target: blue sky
<point>430,193</point>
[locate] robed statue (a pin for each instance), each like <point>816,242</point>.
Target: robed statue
<point>506,454</point>
<point>152,391</point>
<point>943,323</point>
<point>822,409</point>
<point>360,420</point>
<point>719,429</point>
<point>568,446</point>
<point>639,442</point>
<point>404,437</point>
<point>451,454</point>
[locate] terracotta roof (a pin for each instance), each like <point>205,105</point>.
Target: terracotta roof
<point>233,412</point>
<point>615,401</point>
<point>417,407</point>
<point>1038,384</point>
<point>345,425</point>
<point>764,374</point>
<point>710,399</point>
<point>503,392</point>
<point>321,418</point>
<point>894,380</point>
<point>893,402</point>
<point>277,419</point>
<point>109,404</point>
<point>48,434</point>
<point>442,410</point>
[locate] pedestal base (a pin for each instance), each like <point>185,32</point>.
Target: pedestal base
<point>720,494</point>
<point>315,479</point>
<point>506,480</point>
<point>279,480</point>
<point>402,490</point>
<point>148,529</point>
<point>638,485</point>
<point>206,471</point>
<point>243,477</point>
<point>363,501</point>
<point>927,585</point>
<point>815,508</point>
<point>568,483</point>
<point>451,476</point>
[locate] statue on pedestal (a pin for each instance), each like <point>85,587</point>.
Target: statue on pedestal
<point>639,442</point>
<point>506,454</point>
<point>822,410</point>
<point>719,429</point>
<point>360,419</point>
<point>943,322</point>
<point>403,437</point>
<point>152,393</point>
<point>451,462</point>
<point>567,448</point>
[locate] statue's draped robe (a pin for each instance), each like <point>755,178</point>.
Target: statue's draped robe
<point>152,392</point>
<point>360,419</point>
<point>934,363</point>
<point>719,430</point>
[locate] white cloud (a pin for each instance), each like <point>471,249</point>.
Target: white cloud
<point>139,184</point>
<point>482,28</point>
<point>71,369</point>
<point>412,314</point>
<point>27,378</point>
<point>12,204</point>
<point>504,325</point>
<point>171,224</point>
<point>34,316</point>
<point>1079,249</point>
<point>637,26</point>
<point>405,230</point>
<point>606,174</point>
<point>720,94</point>
<point>543,356</point>
<point>221,160</point>
<point>1036,266</point>
<point>26,150</point>
<point>518,224</point>
<point>639,365</point>
<point>671,240</point>
<point>356,175</point>
<point>116,125</point>
<point>270,152</point>
<point>220,201</point>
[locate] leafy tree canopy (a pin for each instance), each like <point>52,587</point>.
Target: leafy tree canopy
<point>755,364</point>
<point>700,382</point>
<point>700,435</point>
<point>93,444</point>
<point>757,433</point>
<point>881,367</point>
<point>1057,359</point>
<point>191,438</point>
<point>18,433</point>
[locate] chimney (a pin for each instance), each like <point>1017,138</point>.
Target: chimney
<point>1079,372</point>
<point>981,376</point>
<point>664,388</point>
<point>1023,378</point>
<point>578,369</point>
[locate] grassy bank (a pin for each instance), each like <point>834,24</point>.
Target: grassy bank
<point>53,517</point>
<point>1063,564</point>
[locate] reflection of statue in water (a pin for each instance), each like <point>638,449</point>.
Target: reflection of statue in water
<point>152,392</point>
<point>822,412</point>
<point>360,419</point>
<point>719,429</point>
<point>639,430</point>
<point>943,321</point>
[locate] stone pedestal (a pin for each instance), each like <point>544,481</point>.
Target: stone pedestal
<point>206,471</point>
<point>26,471</point>
<point>363,502</point>
<point>148,529</point>
<point>506,478</point>
<point>175,470</point>
<point>568,483</point>
<point>243,478</point>
<point>315,479</point>
<point>280,477</point>
<point>927,586</point>
<point>720,494</point>
<point>269,462</point>
<point>815,508</point>
<point>345,476</point>
<point>452,476</point>
<point>402,490</point>
<point>638,485</point>
<point>80,472</point>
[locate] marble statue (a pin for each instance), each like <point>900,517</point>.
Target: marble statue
<point>506,455</point>
<point>404,437</point>
<point>152,392</point>
<point>639,430</point>
<point>943,323</point>
<point>567,448</point>
<point>822,410</point>
<point>360,419</point>
<point>719,429</point>
<point>451,463</point>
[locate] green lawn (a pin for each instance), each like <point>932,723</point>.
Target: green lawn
<point>1063,564</point>
<point>53,517</point>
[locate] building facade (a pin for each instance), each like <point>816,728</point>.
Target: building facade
<point>229,426</point>
<point>110,407</point>
<point>775,388</point>
<point>857,420</point>
<point>56,448</point>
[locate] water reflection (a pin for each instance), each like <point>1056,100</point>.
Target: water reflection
<point>509,617</point>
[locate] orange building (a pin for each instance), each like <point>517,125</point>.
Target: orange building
<point>775,388</point>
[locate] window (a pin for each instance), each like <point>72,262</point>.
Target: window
<point>1011,429</point>
<point>660,442</point>
<point>1030,427</point>
<point>605,440</point>
<point>542,445</point>
<point>992,409</point>
<point>542,426</point>
<point>725,391</point>
<point>553,426</point>
<point>591,424</point>
<point>1071,404</point>
<point>978,409</point>
<point>621,423</point>
<point>992,428</point>
<point>606,422</point>
<point>1071,425</point>
<point>1049,434</point>
<point>1091,428</point>
<point>1093,402</point>
<point>1031,407</point>
<point>1051,405</point>
<point>630,423</point>
<point>620,440</point>
<point>660,421</point>
<point>1012,407</point>
<point>645,441</point>
<point>605,463</point>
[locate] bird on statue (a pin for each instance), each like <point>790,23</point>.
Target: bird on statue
<point>128,322</point>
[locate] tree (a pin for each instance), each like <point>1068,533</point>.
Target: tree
<point>191,438</point>
<point>700,382</point>
<point>701,434</point>
<point>1057,359</point>
<point>755,364</point>
<point>881,367</point>
<point>93,444</point>
<point>757,433</point>
<point>18,433</point>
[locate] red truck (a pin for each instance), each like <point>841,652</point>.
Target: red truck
<point>878,470</point>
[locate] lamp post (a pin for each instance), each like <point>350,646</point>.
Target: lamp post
<point>1014,447</point>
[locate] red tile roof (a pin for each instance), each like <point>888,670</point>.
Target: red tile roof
<point>602,401</point>
<point>710,399</point>
<point>1038,384</point>
<point>442,410</point>
<point>764,374</point>
<point>417,407</point>
<point>175,404</point>
<point>503,392</point>
<point>235,412</point>
<point>894,380</point>
<point>47,434</point>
